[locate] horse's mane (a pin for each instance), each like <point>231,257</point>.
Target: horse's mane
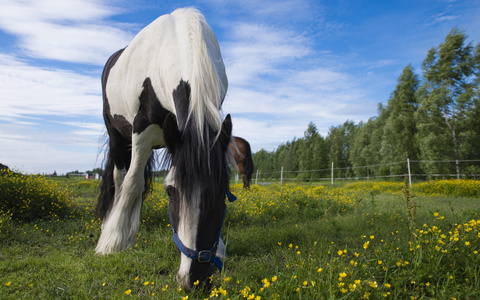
<point>207,88</point>
<point>200,164</point>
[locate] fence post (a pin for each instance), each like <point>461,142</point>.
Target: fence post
<point>256,178</point>
<point>409,173</point>
<point>281,175</point>
<point>332,172</point>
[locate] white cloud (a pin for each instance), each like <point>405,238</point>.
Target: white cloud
<point>72,31</point>
<point>29,90</point>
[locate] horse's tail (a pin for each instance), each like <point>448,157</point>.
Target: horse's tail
<point>248,162</point>
<point>107,189</point>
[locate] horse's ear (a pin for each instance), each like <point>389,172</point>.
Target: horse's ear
<point>171,133</point>
<point>226,134</point>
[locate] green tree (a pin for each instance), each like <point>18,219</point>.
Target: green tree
<point>446,100</point>
<point>340,140</point>
<point>399,132</point>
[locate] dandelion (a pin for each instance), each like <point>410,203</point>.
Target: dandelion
<point>319,270</point>
<point>365,245</point>
<point>305,283</point>
<point>128,292</point>
<point>146,283</point>
<point>340,252</point>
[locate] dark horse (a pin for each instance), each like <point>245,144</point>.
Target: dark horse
<point>243,159</point>
<point>165,89</point>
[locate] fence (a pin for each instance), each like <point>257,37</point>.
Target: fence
<point>285,175</point>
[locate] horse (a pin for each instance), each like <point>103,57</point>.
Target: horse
<point>243,159</point>
<point>165,90</point>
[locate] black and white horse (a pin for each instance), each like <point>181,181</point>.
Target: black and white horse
<point>165,89</point>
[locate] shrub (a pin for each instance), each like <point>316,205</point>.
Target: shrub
<point>30,197</point>
<point>451,187</point>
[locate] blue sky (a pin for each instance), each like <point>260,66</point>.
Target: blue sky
<point>289,62</point>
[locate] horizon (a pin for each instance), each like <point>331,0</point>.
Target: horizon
<point>288,62</point>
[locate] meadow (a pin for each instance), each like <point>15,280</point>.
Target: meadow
<point>363,240</point>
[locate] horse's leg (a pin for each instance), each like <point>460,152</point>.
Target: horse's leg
<point>122,224</point>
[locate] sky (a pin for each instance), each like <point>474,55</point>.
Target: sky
<point>288,62</point>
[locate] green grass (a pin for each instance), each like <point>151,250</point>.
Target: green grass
<point>283,242</point>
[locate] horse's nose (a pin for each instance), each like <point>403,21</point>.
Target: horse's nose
<point>184,282</point>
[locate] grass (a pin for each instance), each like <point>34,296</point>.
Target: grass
<point>284,242</point>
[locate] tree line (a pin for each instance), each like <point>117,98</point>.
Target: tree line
<point>435,117</point>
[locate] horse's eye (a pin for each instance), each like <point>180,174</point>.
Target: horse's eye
<point>169,191</point>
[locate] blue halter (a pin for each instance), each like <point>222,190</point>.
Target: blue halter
<point>204,256</point>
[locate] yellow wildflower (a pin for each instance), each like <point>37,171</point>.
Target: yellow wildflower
<point>128,292</point>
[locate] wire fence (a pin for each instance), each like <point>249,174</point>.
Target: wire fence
<point>411,168</point>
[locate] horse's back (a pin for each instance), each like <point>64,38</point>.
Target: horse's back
<point>165,51</point>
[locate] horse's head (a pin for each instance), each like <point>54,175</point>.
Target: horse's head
<point>197,184</point>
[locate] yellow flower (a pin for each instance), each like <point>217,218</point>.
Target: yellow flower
<point>136,278</point>
<point>380,262</point>
<point>319,270</point>
<point>128,292</point>
<point>305,283</point>
<point>340,252</point>
<point>279,243</point>
<point>467,243</point>
<point>185,298</point>
<point>372,237</point>
<point>274,278</point>
<point>8,283</point>
<point>146,283</point>
<point>357,282</point>
<point>435,214</point>
<point>387,285</point>
<point>343,290</point>
<point>196,283</point>
<point>227,279</point>
<point>365,245</point>
<point>290,246</point>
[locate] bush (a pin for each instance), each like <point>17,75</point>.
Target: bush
<point>451,187</point>
<point>30,197</point>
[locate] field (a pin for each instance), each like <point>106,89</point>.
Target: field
<point>366,240</point>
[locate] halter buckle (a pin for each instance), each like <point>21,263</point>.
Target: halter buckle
<point>204,256</point>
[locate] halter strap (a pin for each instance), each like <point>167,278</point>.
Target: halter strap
<point>204,256</point>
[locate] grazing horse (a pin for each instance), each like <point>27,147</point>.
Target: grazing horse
<point>243,159</point>
<point>165,89</point>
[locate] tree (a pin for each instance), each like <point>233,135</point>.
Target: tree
<point>446,96</point>
<point>340,140</point>
<point>399,133</point>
